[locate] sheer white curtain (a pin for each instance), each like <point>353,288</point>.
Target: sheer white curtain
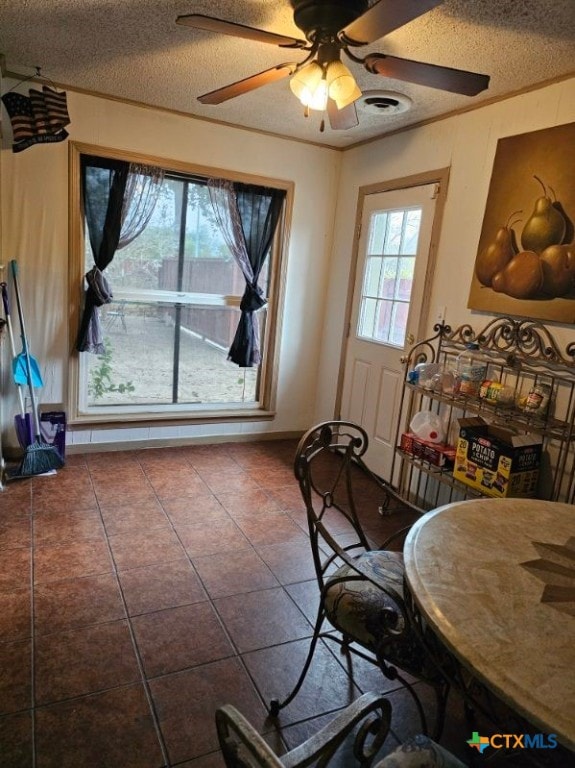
<point>119,199</point>
<point>248,216</point>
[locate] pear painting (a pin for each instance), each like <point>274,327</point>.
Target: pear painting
<point>543,268</point>
<point>497,255</point>
<point>546,226</point>
<point>525,263</point>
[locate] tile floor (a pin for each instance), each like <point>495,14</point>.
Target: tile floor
<point>140,590</point>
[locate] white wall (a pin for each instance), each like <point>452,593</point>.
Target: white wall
<point>466,143</point>
<point>35,220</point>
<point>35,232</point>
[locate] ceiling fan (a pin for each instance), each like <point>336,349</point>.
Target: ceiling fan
<point>321,81</point>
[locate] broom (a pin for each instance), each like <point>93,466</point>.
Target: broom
<point>39,457</point>
<point>23,420</point>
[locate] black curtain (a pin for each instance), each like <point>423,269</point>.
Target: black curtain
<point>103,187</point>
<point>259,211</point>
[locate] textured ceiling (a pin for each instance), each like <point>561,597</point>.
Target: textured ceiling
<point>134,50</point>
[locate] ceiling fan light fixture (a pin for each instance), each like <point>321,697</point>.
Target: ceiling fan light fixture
<point>353,96</point>
<point>310,86</point>
<point>342,87</point>
<point>315,83</point>
<point>318,99</point>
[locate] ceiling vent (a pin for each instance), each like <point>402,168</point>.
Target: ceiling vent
<point>383,103</point>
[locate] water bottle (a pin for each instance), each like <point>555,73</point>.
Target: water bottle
<point>471,370</point>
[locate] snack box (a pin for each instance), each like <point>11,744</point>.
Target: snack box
<point>497,461</point>
<point>437,454</point>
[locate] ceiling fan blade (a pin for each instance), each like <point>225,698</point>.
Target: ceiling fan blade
<point>248,84</point>
<point>211,24</point>
<point>431,75</point>
<point>382,18</point>
<point>342,119</point>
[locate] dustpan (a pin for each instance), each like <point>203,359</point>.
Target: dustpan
<point>20,369</point>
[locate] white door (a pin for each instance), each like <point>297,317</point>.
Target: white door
<point>393,253</point>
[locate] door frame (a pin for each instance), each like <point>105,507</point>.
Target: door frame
<point>439,177</point>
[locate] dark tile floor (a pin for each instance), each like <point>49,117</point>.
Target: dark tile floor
<point>141,590</point>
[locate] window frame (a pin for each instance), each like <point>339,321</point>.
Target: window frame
<point>183,413</point>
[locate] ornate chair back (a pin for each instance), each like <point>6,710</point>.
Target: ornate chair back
<point>361,587</point>
<point>360,729</point>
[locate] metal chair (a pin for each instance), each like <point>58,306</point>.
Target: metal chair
<point>361,589</point>
<point>355,736</point>
<point>243,747</point>
<point>117,315</point>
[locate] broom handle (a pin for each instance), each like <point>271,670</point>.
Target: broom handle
<point>6,303</point>
<point>14,267</point>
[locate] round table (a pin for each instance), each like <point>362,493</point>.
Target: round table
<point>495,579</point>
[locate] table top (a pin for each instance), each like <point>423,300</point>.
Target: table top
<point>495,579</point>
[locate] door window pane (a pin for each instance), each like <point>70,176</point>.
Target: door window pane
<point>411,234</point>
<point>377,230</point>
<point>389,278</point>
<point>405,278</point>
<point>384,310</point>
<point>394,232</point>
<point>398,324</point>
<point>372,275</point>
<point>367,318</point>
<point>394,236</point>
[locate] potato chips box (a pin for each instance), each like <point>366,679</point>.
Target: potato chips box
<point>496,461</point>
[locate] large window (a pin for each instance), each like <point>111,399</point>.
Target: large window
<point>176,305</point>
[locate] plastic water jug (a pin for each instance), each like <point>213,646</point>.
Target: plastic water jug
<point>428,426</point>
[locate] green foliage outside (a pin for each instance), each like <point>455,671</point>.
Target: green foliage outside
<point>101,381</point>
<point>137,266</point>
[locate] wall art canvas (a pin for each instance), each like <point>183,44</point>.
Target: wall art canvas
<point>525,262</point>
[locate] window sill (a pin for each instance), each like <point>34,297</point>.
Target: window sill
<point>162,419</point>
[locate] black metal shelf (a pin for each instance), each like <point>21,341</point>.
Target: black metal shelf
<point>501,415</point>
<point>520,354</point>
<point>443,474</point>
